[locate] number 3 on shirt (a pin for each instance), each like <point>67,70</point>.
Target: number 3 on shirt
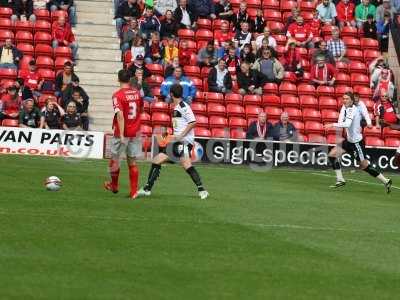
<point>132,111</point>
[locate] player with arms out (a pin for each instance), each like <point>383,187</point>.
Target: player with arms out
<point>350,118</point>
<point>183,123</point>
<point>128,105</point>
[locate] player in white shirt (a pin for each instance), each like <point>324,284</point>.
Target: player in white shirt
<point>183,123</point>
<point>350,119</point>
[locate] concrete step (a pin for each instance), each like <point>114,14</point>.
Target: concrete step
<point>95,30</point>
<point>98,91</point>
<point>97,39</point>
<point>94,7</point>
<point>113,45</point>
<point>101,113</point>
<point>98,79</point>
<point>100,54</point>
<point>93,66</point>
<point>94,18</point>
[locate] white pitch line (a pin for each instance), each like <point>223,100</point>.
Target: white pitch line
<point>355,180</point>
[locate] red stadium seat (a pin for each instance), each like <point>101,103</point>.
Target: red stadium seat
<point>8,74</point>
<point>24,37</point>
<point>326,91</point>
<point>204,35</point>
<point>294,113</point>
<point>218,122</point>
<point>343,79</point>
<point>326,30</point>
<point>233,98</point>
<point>59,63</point>
<point>288,88</point>
<point>236,122</point>
<point>191,71</point>
<point>273,112</point>
<point>307,15</point>
<point>146,130</point>
<point>155,80</point>
<point>316,138</point>
<point>145,118</point>
<point>370,55</point>
<point>155,69</point>
<point>327,103</point>
<point>5,23</point>
<point>364,91</point>
<point>26,49</point>
<point>334,139</point>
<point>197,82</point>
<point>370,44</point>
<point>280,39</point>
<point>354,54</point>
<point>374,142</point>
<point>270,4</point>
<point>146,106</point>
<point>42,38</point>
<point>392,142</point>
<point>214,97</point>
<point>329,116</point>
<point>216,109</point>
<point>159,106</point>
<point>310,114</point>
<point>201,44</point>
<point>252,100</point>
<point>42,25</point>
<point>204,72</point>
<point>314,127</point>
<point>298,125</point>
<point>341,89</point>
<point>342,67</point>
<point>288,5</point>
<point>217,24</point>
<point>24,62</point>
<point>254,3</point>
<point>358,67</point>
<point>308,101</point>
<point>24,26</point>
<point>272,15</point>
<point>375,132</point>
<point>369,104</point>
<point>44,49</point>
<point>201,120</point>
<point>6,34</point>
<point>235,110</point>
<point>192,45</point>
<point>305,89</point>
<point>204,24</point>
<point>199,108</point>
<point>390,133</point>
<point>47,74</point>
<point>271,100</point>
<point>270,88</point>
<point>42,14</point>
<point>220,132</point>
<point>65,52</point>
<point>10,123</point>
<point>252,111</point>
<point>238,133</point>
<point>200,96</point>
<point>349,31</point>
<point>290,101</point>
<point>352,43</point>
<point>45,62</point>
<point>201,131</point>
<point>307,5</point>
<point>276,27</point>
<point>159,118</point>
<point>58,13</point>
<point>5,12</point>
<point>359,79</point>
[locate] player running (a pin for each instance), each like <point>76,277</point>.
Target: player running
<point>183,123</point>
<point>128,105</point>
<point>350,118</point>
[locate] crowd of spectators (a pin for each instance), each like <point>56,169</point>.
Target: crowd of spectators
<point>34,100</point>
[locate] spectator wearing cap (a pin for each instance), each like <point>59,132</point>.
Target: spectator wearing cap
<point>384,112</point>
<point>24,9</point>
<point>127,10</point>
<point>9,55</point>
<point>219,78</point>
<point>243,36</point>
<point>241,17</point>
<point>184,53</point>
<point>10,104</point>
<point>51,114</point>
<point>138,63</point>
<point>301,33</point>
<point>327,12</point>
<point>224,10</point>
<point>323,73</point>
<point>260,129</point>
<point>345,13</point>
<point>129,35</point>
<point>62,35</point>
<point>139,82</point>
<point>65,78</point>
<point>265,36</point>
<point>154,50</point>
<point>149,23</point>
<point>31,82</point>
<point>138,47</point>
<point>184,15</point>
<point>364,9</point>
<point>163,6</point>
<point>189,89</point>
<point>65,5</point>
<point>169,27</point>
<point>384,8</point>
<point>383,29</point>
<point>207,56</point>
<point>270,67</point>
<point>336,46</point>
<point>249,81</point>
<point>29,115</point>
<point>323,51</point>
<point>171,50</point>
<point>381,83</point>
<point>284,131</point>
<point>369,28</point>
<point>202,9</point>
<point>72,119</point>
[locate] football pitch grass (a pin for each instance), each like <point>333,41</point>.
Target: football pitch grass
<point>281,234</point>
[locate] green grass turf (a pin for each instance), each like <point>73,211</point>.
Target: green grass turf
<point>280,234</point>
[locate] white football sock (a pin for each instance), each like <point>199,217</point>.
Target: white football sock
<point>339,175</point>
<point>382,178</point>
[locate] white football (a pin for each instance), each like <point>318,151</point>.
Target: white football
<point>53,183</point>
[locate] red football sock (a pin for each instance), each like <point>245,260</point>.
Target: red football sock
<point>113,168</point>
<point>133,178</point>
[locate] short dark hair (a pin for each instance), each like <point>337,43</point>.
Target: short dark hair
<point>176,90</point>
<point>123,76</point>
<point>350,94</point>
<point>76,91</point>
<point>68,64</point>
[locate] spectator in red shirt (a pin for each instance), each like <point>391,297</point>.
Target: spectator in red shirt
<point>291,59</point>
<point>345,13</point>
<point>63,36</point>
<point>232,60</point>
<point>223,36</point>
<point>384,112</point>
<point>32,82</point>
<point>314,25</point>
<point>184,53</point>
<point>300,33</point>
<point>10,104</point>
<point>323,73</point>
<point>292,18</point>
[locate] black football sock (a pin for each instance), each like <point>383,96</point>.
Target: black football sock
<point>195,177</point>
<point>335,163</point>
<point>371,171</point>
<point>153,175</point>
